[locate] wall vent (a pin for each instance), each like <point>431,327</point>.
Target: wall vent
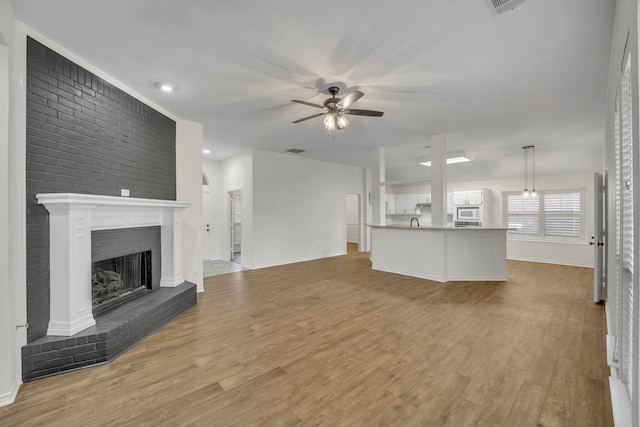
<point>500,6</point>
<point>295,150</point>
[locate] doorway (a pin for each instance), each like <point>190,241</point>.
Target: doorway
<point>353,222</point>
<point>235,226</point>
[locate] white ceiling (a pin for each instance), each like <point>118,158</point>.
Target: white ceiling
<point>534,75</point>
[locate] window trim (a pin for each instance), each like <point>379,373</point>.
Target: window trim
<point>582,240</point>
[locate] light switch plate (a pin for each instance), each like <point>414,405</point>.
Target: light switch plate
<point>124,192</point>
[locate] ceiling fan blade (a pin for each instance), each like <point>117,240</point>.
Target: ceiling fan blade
<point>363,112</point>
<point>309,117</point>
<point>349,99</point>
<point>307,103</point>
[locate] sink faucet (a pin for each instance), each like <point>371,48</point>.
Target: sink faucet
<point>417,222</point>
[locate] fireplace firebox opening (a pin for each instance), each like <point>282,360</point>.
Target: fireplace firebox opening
<point>120,279</point>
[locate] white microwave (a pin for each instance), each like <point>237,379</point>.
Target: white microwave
<point>467,213</point>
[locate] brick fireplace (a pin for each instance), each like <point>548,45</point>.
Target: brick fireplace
<point>72,218</point>
<point>75,337</point>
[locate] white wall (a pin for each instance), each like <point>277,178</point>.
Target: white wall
<point>293,208</point>
<point>12,237</point>
<point>189,189</point>
<point>299,210</point>
<point>555,253</point>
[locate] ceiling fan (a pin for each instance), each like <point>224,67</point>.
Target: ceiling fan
<point>336,108</point>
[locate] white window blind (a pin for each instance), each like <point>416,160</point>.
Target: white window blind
<point>626,168</point>
<point>556,215</point>
<point>563,215</point>
<point>613,291</point>
<point>523,215</point>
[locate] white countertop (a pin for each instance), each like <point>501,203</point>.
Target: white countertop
<point>428,227</point>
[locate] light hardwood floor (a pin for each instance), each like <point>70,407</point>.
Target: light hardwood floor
<point>331,342</point>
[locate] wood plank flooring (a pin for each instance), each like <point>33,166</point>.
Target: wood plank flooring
<point>332,342</point>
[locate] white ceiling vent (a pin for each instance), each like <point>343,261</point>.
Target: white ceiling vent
<point>500,6</point>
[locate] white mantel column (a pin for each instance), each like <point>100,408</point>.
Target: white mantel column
<point>171,248</point>
<point>70,269</point>
<point>438,181</point>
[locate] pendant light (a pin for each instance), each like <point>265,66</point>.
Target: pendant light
<point>529,160</point>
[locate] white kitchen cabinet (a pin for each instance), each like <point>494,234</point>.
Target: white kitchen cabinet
<point>405,204</point>
<point>391,204</point>
<point>401,204</point>
<point>459,198</point>
<point>474,197</point>
<point>424,198</point>
<point>468,198</point>
<point>412,201</point>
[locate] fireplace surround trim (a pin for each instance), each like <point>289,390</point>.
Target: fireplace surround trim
<point>72,217</point>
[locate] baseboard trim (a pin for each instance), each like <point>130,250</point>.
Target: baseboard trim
<point>620,404</point>
<point>546,261</point>
<point>291,261</point>
<point>10,397</point>
<point>404,273</point>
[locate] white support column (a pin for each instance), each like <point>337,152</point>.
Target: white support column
<point>365,212</point>
<point>70,270</point>
<point>378,192</point>
<point>438,181</point>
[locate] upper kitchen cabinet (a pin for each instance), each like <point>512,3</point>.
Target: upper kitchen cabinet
<point>468,198</point>
<point>412,201</point>
<point>401,204</point>
<point>391,203</point>
<point>424,198</point>
<point>405,204</point>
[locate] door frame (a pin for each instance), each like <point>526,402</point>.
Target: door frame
<point>230,213</point>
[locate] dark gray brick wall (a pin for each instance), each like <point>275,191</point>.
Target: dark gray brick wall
<point>84,136</point>
<point>107,244</point>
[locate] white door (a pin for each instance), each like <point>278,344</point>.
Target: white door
<point>598,238</point>
<point>207,216</point>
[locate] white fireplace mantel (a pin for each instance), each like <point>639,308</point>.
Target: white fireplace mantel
<point>72,218</point>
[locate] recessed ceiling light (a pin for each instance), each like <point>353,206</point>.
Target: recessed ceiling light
<point>166,86</point>
<point>205,151</point>
<point>451,158</point>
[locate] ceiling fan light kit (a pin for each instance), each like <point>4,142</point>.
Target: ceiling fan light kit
<point>336,108</point>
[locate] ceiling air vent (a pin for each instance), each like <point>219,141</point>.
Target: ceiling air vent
<point>500,6</point>
<point>295,150</point>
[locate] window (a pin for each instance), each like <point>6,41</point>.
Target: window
<point>523,214</point>
<point>555,215</point>
<point>628,313</point>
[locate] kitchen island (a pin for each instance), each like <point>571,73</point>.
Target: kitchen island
<point>440,254</point>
